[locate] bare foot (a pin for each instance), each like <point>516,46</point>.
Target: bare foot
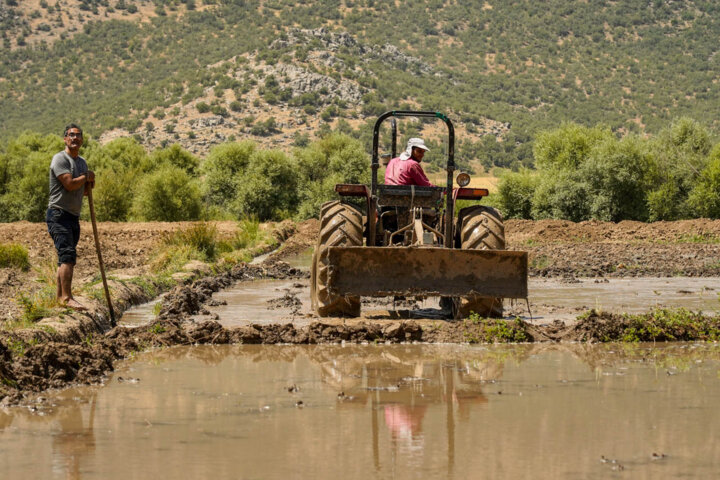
<point>75,305</point>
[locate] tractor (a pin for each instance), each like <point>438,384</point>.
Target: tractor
<point>406,241</point>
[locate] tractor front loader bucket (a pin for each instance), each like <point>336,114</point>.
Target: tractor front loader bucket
<point>427,271</point>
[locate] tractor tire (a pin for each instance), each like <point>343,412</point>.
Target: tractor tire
<point>482,229</point>
<point>340,225</point>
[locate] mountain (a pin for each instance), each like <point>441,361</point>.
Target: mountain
<point>280,71</point>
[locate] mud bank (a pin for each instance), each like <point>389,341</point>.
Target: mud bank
<point>75,349</point>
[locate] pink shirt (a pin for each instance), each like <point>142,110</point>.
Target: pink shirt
<point>405,172</point>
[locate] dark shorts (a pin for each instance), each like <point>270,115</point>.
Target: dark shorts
<point>64,228</point>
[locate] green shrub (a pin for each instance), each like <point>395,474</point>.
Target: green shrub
<point>14,255</point>
<point>112,195</point>
<point>615,174</point>
<point>247,235</point>
<point>516,190</point>
<point>223,169</point>
<point>561,195</point>
<point>336,158</point>
<point>268,188</point>
<point>567,146</point>
<point>177,156</point>
<point>168,194</point>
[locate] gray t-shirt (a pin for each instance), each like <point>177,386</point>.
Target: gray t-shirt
<point>60,198</point>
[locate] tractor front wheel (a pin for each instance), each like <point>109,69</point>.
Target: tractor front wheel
<point>340,226</point>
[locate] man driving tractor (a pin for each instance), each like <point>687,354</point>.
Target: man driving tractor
<point>406,169</point>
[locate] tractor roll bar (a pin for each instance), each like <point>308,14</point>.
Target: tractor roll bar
<point>450,165</point>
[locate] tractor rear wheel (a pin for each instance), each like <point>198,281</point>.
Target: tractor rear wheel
<point>340,225</point>
<point>482,229</point>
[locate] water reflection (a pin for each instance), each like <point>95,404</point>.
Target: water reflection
<point>402,411</point>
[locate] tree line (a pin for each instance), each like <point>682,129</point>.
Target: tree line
<point>582,173</point>
<point>235,180</point>
<point>590,173</point>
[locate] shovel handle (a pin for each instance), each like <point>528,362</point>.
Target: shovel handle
<point>99,254</point>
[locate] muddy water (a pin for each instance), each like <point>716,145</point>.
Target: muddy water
<point>550,299</point>
<point>405,411</point>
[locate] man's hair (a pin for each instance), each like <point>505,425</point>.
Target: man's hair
<point>69,126</point>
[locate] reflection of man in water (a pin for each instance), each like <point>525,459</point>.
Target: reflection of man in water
<point>404,421</point>
<point>75,440</point>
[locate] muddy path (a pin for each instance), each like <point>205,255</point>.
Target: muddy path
<point>83,348</point>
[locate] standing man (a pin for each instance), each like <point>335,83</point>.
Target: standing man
<point>406,169</point>
<point>70,179</point>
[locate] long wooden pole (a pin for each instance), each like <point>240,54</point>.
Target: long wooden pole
<point>99,254</point>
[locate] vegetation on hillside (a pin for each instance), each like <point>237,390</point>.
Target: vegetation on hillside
<point>632,65</point>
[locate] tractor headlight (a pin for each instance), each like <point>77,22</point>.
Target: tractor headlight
<point>463,179</point>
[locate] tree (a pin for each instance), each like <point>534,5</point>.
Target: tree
<point>516,190</point>
<point>704,199</point>
<point>336,158</point>
<point>616,174</point>
<point>223,168</point>
<point>169,195</point>
<point>177,156</point>
<point>567,146</point>
<point>268,188</point>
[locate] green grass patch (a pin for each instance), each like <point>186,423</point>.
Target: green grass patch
<point>492,330</point>
<point>40,304</point>
<point>14,255</point>
<point>201,237</point>
<point>670,325</point>
<point>701,237</point>
<point>18,347</point>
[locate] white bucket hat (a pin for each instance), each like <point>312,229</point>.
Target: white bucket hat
<point>417,143</point>
<point>413,143</point>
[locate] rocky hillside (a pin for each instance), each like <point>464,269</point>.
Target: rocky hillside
<point>202,72</point>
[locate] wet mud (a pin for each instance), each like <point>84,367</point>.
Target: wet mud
<point>66,353</point>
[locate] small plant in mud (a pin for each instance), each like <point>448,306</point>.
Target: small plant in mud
<point>172,259</point>
<point>37,306</point>
<point>14,255</point>
<point>8,382</point>
<point>18,347</point>
<point>660,325</point>
<point>676,324</point>
<point>540,262</point>
<point>157,329</point>
<point>97,294</point>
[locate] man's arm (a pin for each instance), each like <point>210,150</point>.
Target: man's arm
<point>71,184</point>
<point>418,176</point>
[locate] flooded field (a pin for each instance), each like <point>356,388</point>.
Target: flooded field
<point>273,301</point>
<point>404,411</point>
